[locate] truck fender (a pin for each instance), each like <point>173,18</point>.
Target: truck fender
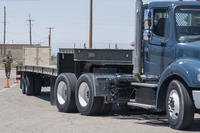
<point>105,84</point>
<point>101,83</point>
<point>185,70</point>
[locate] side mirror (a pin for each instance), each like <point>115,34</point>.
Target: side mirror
<point>147,25</point>
<point>147,35</point>
<point>147,19</point>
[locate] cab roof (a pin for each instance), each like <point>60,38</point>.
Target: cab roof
<point>173,3</point>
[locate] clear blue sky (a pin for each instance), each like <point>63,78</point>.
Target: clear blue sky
<point>113,22</point>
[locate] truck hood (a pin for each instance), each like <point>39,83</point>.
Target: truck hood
<point>188,50</point>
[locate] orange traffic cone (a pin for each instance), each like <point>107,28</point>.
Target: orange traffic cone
<point>7,84</point>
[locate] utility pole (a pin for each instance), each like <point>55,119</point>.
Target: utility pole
<point>91,24</point>
<point>50,29</point>
<point>30,29</point>
<point>3,51</point>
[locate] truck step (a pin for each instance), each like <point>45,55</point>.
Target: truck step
<point>140,105</point>
<point>145,85</point>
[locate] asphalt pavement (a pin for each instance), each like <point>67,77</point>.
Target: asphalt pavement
<point>28,114</point>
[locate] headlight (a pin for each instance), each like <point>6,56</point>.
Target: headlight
<point>198,77</point>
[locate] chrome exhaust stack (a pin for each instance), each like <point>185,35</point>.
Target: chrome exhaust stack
<point>137,70</point>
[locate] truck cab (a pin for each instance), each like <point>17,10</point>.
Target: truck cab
<point>173,34</point>
<point>171,50</point>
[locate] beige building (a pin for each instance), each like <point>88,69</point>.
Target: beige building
<point>29,54</point>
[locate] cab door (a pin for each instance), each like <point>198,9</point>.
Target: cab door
<point>157,49</point>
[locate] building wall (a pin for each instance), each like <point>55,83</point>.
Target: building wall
<point>37,56</point>
<point>18,51</point>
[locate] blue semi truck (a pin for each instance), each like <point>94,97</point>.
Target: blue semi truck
<point>161,73</point>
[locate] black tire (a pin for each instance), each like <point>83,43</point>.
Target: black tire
<point>37,86</point>
<point>95,104</point>
<point>184,118</point>
<point>29,85</point>
<point>69,80</point>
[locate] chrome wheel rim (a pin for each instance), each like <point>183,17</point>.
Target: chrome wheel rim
<point>84,94</point>
<point>174,104</point>
<point>62,93</point>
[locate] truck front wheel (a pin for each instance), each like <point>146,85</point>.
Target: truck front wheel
<point>86,101</point>
<point>64,92</point>
<point>179,106</point>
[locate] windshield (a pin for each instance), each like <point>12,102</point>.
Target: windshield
<point>188,24</point>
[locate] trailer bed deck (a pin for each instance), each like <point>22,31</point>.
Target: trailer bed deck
<point>46,70</point>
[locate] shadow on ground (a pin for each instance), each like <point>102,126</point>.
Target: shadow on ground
<point>142,116</point>
<point>44,96</point>
<point>145,117</point>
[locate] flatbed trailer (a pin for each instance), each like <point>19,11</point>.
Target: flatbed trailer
<point>76,61</point>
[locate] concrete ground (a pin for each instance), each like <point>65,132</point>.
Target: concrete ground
<point>29,114</point>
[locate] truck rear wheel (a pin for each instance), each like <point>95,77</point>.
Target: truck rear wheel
<point>64,92</point>
<point>179,106</point>
<point>86,101</point>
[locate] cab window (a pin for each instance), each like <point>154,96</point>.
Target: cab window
<point>159,22</point>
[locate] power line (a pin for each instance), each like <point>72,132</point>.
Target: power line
<point>30,29</point>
